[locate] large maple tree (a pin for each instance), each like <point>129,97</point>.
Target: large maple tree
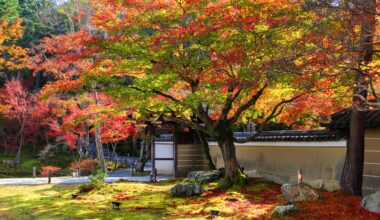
<point>204,64</point>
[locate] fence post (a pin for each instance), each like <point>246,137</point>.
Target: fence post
<point>34,172</point>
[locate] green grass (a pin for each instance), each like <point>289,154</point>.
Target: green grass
<point>139,201</point>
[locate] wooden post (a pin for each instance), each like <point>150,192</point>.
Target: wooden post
<point>49,176</point>
<point>299,176</point>
<point>78,172</point>
<point>175,149</point>
<point>154,170</point>
<point>34,172</point>
<point>155,175</point>
<point>132,167</point>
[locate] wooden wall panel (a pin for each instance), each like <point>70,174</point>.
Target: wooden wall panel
<point>189,158</point>
<point>371,173</point>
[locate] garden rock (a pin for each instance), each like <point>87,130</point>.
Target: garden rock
<point>331,186</point>
<point>300,192</point>
<point>186,189</point>
<point>283,210</point>
<point>372,202</point>
<point>204,176</point>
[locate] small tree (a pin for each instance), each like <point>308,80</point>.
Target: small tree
<point>16,107</point>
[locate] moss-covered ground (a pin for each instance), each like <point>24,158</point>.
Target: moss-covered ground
<point>153,201</point>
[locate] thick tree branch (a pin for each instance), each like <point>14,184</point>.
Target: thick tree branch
<point>274,113</point>
<point>186,122</point>
<point>228,105</point>
<point>157,93</point>
<point>248,104</point>
<point>202,114</point>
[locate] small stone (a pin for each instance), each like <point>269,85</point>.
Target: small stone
<point>300,192</point>
<point>283,210</point>
<point>372,202</point>
<point>204,176</point>
<point>186,189</point>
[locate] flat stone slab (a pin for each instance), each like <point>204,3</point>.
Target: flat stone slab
<point>186,189</point>
<point>283,210</point>
<point>204,176</point>
<point>372,202</point>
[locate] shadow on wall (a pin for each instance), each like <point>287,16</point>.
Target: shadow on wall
<point>322,165</point>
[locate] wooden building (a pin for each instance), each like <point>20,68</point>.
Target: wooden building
<point>276,155</point>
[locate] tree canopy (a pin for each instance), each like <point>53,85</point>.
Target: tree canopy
<point>207,65</point>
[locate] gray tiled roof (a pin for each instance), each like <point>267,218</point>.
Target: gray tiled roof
<point>341,120</point>
<point>295,135</point>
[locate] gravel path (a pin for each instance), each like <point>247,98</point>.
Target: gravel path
<point>124,174</point>
<point>69,180</point>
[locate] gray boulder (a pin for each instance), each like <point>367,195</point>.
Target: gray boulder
<point>300,192</point>
<point>186,189</point>
<point>283,210</point>
<point>204,176</point>
<point>372,202</point>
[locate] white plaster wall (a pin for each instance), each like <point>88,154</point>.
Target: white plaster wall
<point>279,161</point>
<point>164,150</point>
<point>165,166</point>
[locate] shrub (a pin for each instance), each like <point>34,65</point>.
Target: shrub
<point>112,165</point>
<point>84,165</point>
<point>96,181</point>
<point>87,187</point>
<point>45,170</point>
<point>98,176</point>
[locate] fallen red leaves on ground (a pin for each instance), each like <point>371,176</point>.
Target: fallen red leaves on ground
<point>257,200</point>
<point>86,198</point>
<point>335,205</point>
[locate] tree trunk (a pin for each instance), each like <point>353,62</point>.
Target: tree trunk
<point>87,142</point>
<point>21,143</point>
<point>145,151</point>
<point>206,150</point>
<point>113,145</point>
<point>353,170</point>
<point>99,150</point>
<point>98,142</point>
<point>233,174</point>
<point>144,156</point>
